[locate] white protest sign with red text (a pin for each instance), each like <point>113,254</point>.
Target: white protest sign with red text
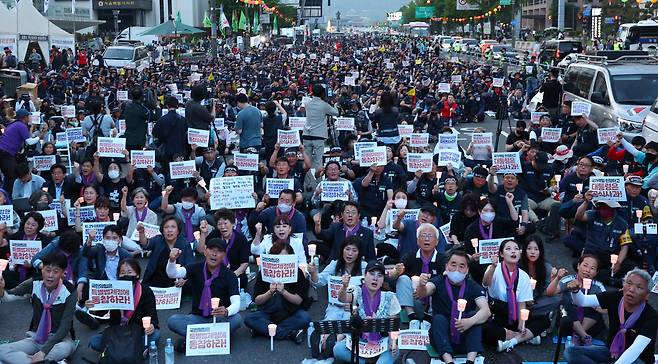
<point>111,147</point>
<point>288,138</point>
<point>607,188</point>
<point>167,298</point>
<point>413,339</point>
<point>111,295</point>
<point>199,137</point>
<point>22,250</point>
<point>208,339</point>
<point>246,161</point>
<point>142,158</point>
<point>182,170</point>
<point>419,162</point>
<point>279,268</point>
<point>232,192</point>
<point>507,162</point>
<point>43,162</point>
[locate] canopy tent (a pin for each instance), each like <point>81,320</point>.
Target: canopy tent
<point>24,24</point>
<point>172,28</point>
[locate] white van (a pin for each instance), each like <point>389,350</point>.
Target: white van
<point>125,56</point>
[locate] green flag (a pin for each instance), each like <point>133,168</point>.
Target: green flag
<point>243,21</point>
<point>256,27</point>
<point>275,25</point>
<point>178,18</point>
<point>223,22</point>
<point>206,20</point>
<point>234,21</point>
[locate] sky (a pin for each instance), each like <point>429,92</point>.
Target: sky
<point>373,9</point>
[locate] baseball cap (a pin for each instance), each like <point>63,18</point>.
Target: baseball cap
<point>634,180</point>
<point>611,204</point>
<point>375,265</point>
<point>291,150</point>
<point>216,243</point>
<point>22,113</point>
<point>480,172</point>
<point>597,160</point>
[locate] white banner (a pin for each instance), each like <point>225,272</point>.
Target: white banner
<point>98,226</point>
<point>274,186</point>
<point>392,214</point>
<point>607,134</point>
<point>447,141</point>
<point>360,146</point>
<point>373,156</point>
<point>111,295</point>
<point>111,147</point>
<point>579,108</point>
<point>74,135</point>
<point>142,158</point>
<point>419,162</point>
<point>368,349</point>
<point>419,139</point>
<point>488,249</point>
<point>334,190</point>
<point>288,138</point>
<point>150,231</point>
<point>167,298</point>
<point>246,161</point>
<point>483,139</point>
<point>8,40</point>
<point>452,157</point>
<point>498,82</point>
<point>507,162</point>
<point>551,135</point>
<point>181,170</point>
<point>232,192</point>
<point>333,287</point>
<point>607,188</point>
<point>23,250</point>
<point>87,214</point>
<point>122,95</point>
<point>345,124</point>
<point>297,122</point>
<point>7,215</point>
<point>279,268</point>
<point>198,136</point>
<point>43,162</point>
<point>405,130</point>
<point>413,339</point>
<point>208,339</point>
<point>35,118</point>
<point>50,220</point>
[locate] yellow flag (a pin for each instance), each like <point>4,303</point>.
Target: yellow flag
<point>334,68</point>
<point>418,61</point>
<point>411,92</point>
<point>382,49</point>
<point>122,71</point>
<point>211,77</point>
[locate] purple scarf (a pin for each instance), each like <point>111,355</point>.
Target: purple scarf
<point>45,323</point>
<point>141,218</point>
<point>485,235</point>
<point>618,344</point>
<point>228,248</point>
<point>189,228</point>
<point>455,336</point>
<point>370,309</point>
<point>353,231</point>
<point>204,303</point>
<point>239,216</point>
<point>68,274</point>
<point>511,294</point>
<point>426,263</point>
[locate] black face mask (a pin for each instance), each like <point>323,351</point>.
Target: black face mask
<point>651,156</point>
<point>129,278</point>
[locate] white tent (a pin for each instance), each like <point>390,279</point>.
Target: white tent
<point>25,24</point>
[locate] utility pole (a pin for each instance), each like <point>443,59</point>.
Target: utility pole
<point>338,21</point>
<point>213,29</point>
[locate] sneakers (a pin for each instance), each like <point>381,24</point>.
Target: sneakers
<point>535,340</point>
<point>85,318</point>
<point>414,325</point>
<point>425,325</point>
<point>506,345</point>
<point>297,336</point>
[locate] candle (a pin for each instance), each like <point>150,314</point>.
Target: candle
<point>197,235</point>
<point>258,261</point>
<point>373,221</point>
<point>394,335</point>
<point>587,284</point>
<point>214,302</point>
<point>579,187</point>
<point>116,216</point>
<point>558,178</point>
<point>475,242</point>
<point>395,160</point>
<point>638,213</point>
<point>438,175</point>
<point>311,249</point>
<point>613,261</point>
<point>415,280</point>
<point>461,307</point>
<point>524,313</point>
<point>376,252</point>
<point>625,168</point>
<point>271,328</point>
<point>3,264</point>
<point>533,283</point>
<point>146,323</point>
<point>202,183</point>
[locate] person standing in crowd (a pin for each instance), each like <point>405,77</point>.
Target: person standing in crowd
<point>15,136</point>
<point>315,132</point>
<point>137,116</point>
<point>171,132</point>
<point>248,124</point>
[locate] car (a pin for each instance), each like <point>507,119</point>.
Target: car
<point>486,43</point>
<point>566,61</point>
<point>446,43</point>
<point>501,51</point>
<point>469,44</point>
<point>620,90</point>
<point>125,55</point>
<point>650,125</point>
<point>554,50</point>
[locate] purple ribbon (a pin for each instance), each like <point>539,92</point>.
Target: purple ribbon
<point>45,323</point>
<point>426,263</point>
<point>189,228</point>
<point>370,309</point>
<point>455,335</point>
<point>353,231</point>
<point>68,274</point>
<point>618,344</point>
<point>204,304</point>
<point>141,218</point>
<point>228,248</point>
<point>485,235</point>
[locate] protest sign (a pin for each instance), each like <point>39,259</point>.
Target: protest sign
<point>498,82</point>
<point>23,250</point>
<point>507,162</point>
<point>345,124</point>
<point>350,81</point>
<point>142,158</point>
<point>7,215</point>
<point>456,79</point>
<point>181,110</point>
<point>274,186</point>
<point>405,130</point>
<point>392,214</point>
<point>246,161</point>
<point>111,147</point>
<point>333,287</point>
<point>362,145</point>
<point>61,137</point>
<point>334,190</point>
<point>452,157</point>
<point>111,295</point>
<point>296,122</point>
<point>198,136</point>
<point>529,69</point>
<point>607,134</point>
<point>181,170</point>
<point>35,118</point>
<point>444,87</point>
<point>150,231</point>
<point>488,249</point>
<point>288,138</point>
<point>369,349</point>
<point>68,111</point>
<point>419,140</point>
<point>551,135</point>
<point>56,205</point>
<point>208,339</point>
<point>419,162</point>
<point>373,156</point>
<point>87,214</point>
<point>390,65</point>
<point>122,95</point>
<point>580,108</point>
<point>447,141</point>
<point>483,139</point>
<point>445,230</point>
<point>74,135</point>
<point>278,268</point>
<point>654,283</point>
<point>607,188</point>
<point>535,116</point>
<point>413,339</point>
<point>649,229</point>
<point>99,227</point>
<point>232,192</point>
<point>43,162</point>
<point>121,127</point>
<point>50,220</point>
<point>218,124</point>
<point>167,298</point>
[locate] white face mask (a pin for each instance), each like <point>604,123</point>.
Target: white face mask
<point>110,245</point>
<point>113,173</point>
<point>488,216</point>
<point>456,276</point>
<point>187,205</point>
<point>284,208</point>
<point>400,203</point>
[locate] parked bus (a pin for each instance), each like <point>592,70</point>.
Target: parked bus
<point>639,36</point>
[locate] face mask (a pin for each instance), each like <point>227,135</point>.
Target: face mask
<point>113,173</point>
<point>400,203</point>
<point>488,216</point>
<point>449,197</point>
<point>110,245</point>
<point>650,156</point>
<point>456,277</point>
<point>187,205</point>
<point>42,206</point>
<point>129,278</point>
<point>284,208</point>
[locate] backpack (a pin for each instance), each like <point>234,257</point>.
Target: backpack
<point>122,345</point>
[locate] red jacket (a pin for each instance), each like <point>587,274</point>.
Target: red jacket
<point>448,111</point>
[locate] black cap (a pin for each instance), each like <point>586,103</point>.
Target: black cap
<point>375,265</point>
<point>480,172</point>
<point>216,243</point>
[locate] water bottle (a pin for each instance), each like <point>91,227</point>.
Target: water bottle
<point>311,328</point>
<point>569,343</point>
<point>364,222</point>
<point>243,300</point>
<point>169,352</point>
<point>153,353</point>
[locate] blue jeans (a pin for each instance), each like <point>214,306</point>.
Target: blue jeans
<point>342,353</point>
<point>178,323</point>
<point>259,320</point>
<point>95,341</point>
<point>470,341</point>
<point>590,355</point>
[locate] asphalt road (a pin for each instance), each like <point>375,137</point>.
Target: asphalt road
<point>14,317</point>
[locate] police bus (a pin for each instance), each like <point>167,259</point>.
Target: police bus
<point>642,35</point>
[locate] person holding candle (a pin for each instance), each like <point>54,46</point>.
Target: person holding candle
<point>332,173</point>
<point>584,169</point>
<point>139,211</point>
<point>533,261</point>
<point>635,201</point>
<point>633,323</point>
<point>519,200</point>
<point>339,231</point>
<point>467,214</point>
<point>370,301</point>
<point>646,244</point>
<point>282,304</point>
<point>607,233</point>
<point>129,270</point>
<point>407,229</point>
<point>207,279</point>
<point>586,322</point>
<point>53,301</point>
<point>450,335</point>
<point>509,291</point>
<point>187,210</point>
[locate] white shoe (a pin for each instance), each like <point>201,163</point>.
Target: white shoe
<point>414,325</point>
<point>506,345</point>
<point>425,325</point>
<point>535,340</point>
